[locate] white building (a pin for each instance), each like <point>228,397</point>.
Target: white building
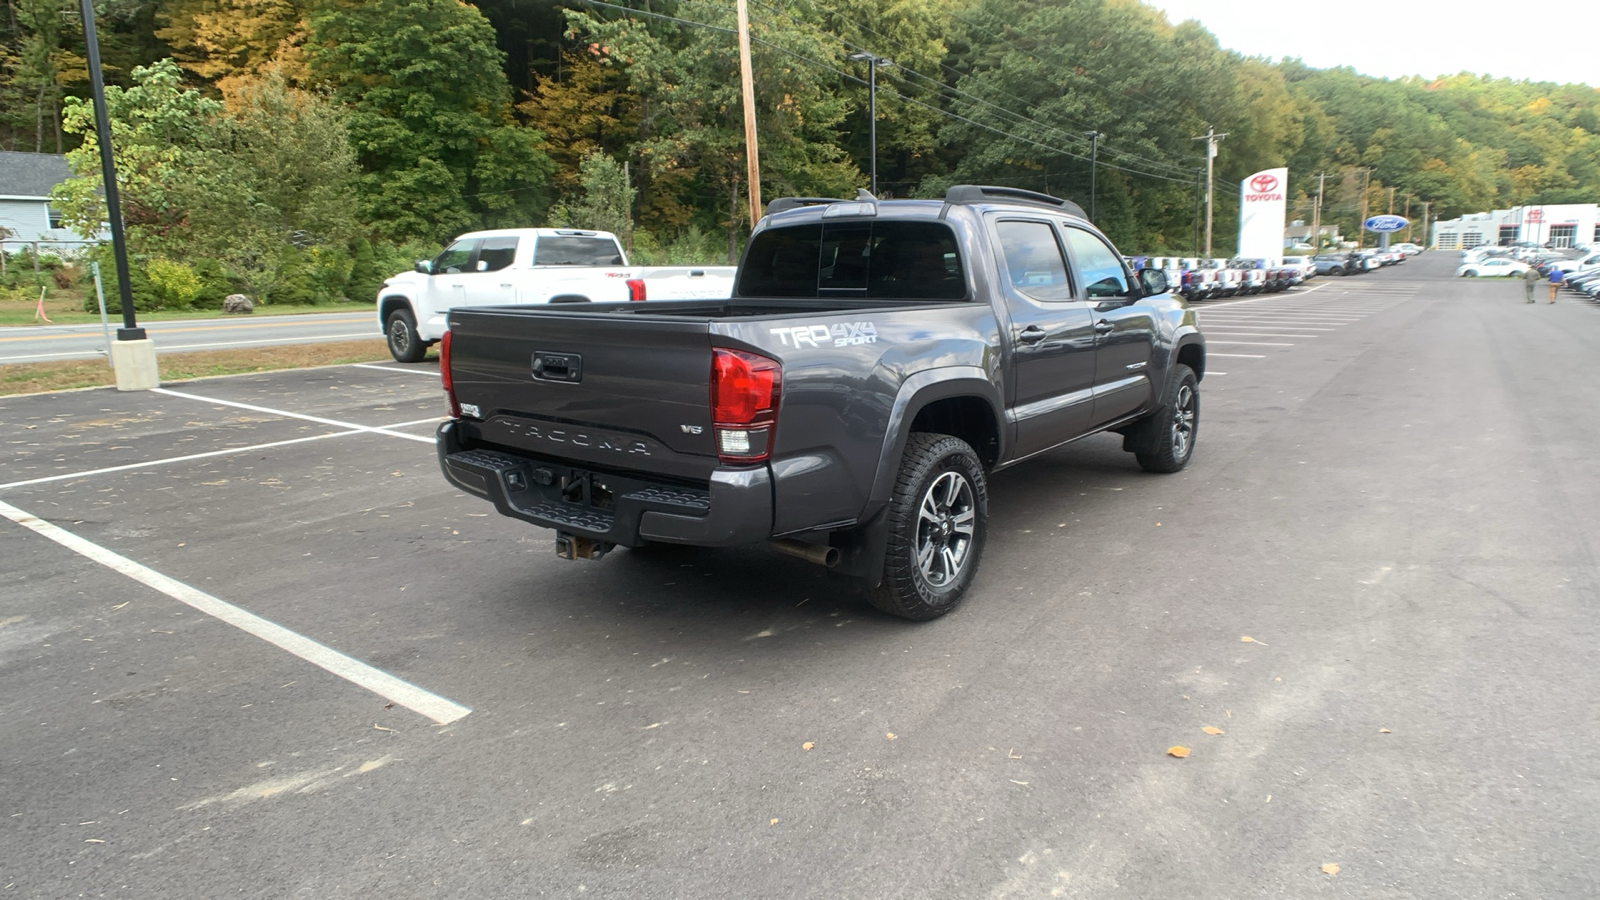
<point>25,183</point>
<point>1556,224</point>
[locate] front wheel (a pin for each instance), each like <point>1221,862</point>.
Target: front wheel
<point>405,345</point>
<point>938,518</point>
<point>1177,421</point>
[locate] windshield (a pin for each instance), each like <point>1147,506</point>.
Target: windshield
<point>576,251</point>
<point>867,259</point>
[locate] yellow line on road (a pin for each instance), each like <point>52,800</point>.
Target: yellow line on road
<point>267,323</point>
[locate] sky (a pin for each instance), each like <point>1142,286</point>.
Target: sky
<point>1390,40</point>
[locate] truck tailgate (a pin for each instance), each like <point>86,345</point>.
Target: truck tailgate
<point>623,391</point>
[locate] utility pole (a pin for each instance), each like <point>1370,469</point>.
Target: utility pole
<point>1391,201</point>
<point>1094,161</point>
<point>1210,137</point>
<point>1426,208</point>
<point>1316,214</point>
<point>1197,191</point>
<point>752,154</point>
<point>873,62</point>
<point>1361,226</point>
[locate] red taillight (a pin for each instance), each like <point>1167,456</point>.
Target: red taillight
<point>636,290</point>
<point>444,376</point>
<point>745,388</point>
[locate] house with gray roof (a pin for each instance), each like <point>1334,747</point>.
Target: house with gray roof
<point>26,180</point>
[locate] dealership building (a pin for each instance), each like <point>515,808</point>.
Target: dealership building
<point>1556,224</point>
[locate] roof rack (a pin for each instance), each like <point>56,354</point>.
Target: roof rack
<point>983,193</point>
<point>783,204</point>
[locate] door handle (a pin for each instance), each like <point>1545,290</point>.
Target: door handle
<point>1104,326</point>
<point>507,285</point>
<point>1033,334</point>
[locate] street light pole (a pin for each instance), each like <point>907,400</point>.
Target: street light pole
<point>1094,161</point>
<point>130,330</point>
<point>873,62</point>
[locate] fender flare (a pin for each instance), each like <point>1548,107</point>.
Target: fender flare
<point>1186,336</point>
<point>917,392</point>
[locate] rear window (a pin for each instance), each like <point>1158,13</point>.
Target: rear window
<point>576,251</point>
<point>859,259</point>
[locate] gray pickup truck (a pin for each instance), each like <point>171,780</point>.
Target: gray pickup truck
<point>876,361</point>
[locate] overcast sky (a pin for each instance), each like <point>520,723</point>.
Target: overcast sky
<point>1541,40</point>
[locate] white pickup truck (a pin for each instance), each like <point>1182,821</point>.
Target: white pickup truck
<point>522,266</point>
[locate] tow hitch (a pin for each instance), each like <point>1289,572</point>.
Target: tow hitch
<point>571,546</point>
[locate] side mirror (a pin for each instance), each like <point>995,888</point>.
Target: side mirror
<point>1153,281</point>
<point>425,266</point>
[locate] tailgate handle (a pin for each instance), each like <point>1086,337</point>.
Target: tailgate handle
<point>549,366</point>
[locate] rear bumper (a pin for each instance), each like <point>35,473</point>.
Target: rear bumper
<point>735,508</point>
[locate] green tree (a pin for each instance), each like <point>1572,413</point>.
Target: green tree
<point>606,203</point>
<point>429,117</point>
<point>164,139</point>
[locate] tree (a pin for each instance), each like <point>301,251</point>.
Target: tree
<point>429,116</point>
<point>607,200</point>
<point>281,179</point>
<point>223,40</point>
<point>164,139</point>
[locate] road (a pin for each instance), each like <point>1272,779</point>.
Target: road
<point>44,343</point>
<point>1377,580</point>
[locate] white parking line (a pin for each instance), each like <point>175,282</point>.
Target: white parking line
<point>294,415</point>
<point>350,669</point>
<point>1251,343</point>
<point>1211,334</point>
<point>175,459</point>
<point>413,371</point>
<point>1237,355</point>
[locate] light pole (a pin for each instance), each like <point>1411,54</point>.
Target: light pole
<point>133,355</point>
<point>1094,159</point>
<point>873,62</point>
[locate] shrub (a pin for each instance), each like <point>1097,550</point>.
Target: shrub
<point>174,282</point>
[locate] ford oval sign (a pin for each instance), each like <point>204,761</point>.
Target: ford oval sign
<point>1386,224</point>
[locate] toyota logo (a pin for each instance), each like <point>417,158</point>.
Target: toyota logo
<point>1261,184</point>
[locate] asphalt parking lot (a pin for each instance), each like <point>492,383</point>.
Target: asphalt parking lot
<point>253,645</point>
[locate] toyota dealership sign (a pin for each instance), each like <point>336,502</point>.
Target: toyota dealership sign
<point>1263,202</point>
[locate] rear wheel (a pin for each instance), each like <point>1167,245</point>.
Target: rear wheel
<point>405,345</point>
<point>938,518</point>
<point>1177,421</point>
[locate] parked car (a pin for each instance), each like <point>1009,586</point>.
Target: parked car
<point>877,360</point>
<point>519,266</point>
<point>1493,267</point>
<point>1335,264</point>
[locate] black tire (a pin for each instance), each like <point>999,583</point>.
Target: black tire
<point>405,345</point>
<point>1177,421</point>
<point>938,518</point>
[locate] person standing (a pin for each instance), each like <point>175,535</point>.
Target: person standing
<point>1557,278</point>
<point>1530,275</point>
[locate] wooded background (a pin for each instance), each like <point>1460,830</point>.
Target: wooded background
<point>305,149</point>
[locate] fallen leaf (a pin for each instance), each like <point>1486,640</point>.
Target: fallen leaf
<point>1012,754</point>
<point>1014,781</point>
<point>773,822</point>
<point>1211,729</point>
<point>807,745</point>
<point>1179,752</point>
<point>93,841</point>
<point>1384,731</point>
<point>388,706</point>
<point>1247,639</point>
<point>1331,868</point>
<point>380,727</point>
<point>890,736</point>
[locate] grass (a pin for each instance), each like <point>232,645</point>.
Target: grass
<point>67,309</point>
<point>33,378</point>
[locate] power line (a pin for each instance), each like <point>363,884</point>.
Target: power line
<point>908,99</point>
<point>1133,158</point>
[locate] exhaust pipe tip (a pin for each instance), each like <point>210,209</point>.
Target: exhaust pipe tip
<point>827,557</point>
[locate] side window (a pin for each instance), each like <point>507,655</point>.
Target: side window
<point>454,259</point>
<point>1033,260</point>
<point>1102,270</point>
<point>496,253</point>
